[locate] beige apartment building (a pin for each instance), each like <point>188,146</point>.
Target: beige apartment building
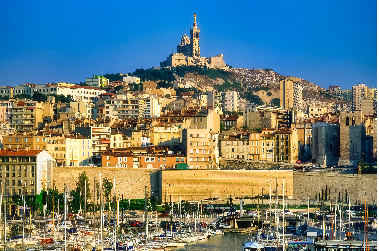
<point>25,116</point>
<point>78,151</point>
<point>29,168</point>
<point>26,141</point>
<point>291,94</point>
<point>317,110</point>
<point>245,147</point>
<point>165,135</point>
<point>286,145</point>
<point>267,140</point>
<point>359,92</point>
<point>372,93</point>
<point>201,148</point>
<point>206,119</point>
<point>304,137</point>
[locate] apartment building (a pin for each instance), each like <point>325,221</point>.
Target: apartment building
<point>78,93</point>
<point>26,116</point>
<point>259,117</point>
<point>131,79</point>
<point>286,145</point>
<point>201,148</point>
<point>372,93</point>
<point>131,106</point>
<point>6,91</point>
<point>214,99</point>
<point>232,121</point>
<point>359,92</point>
<point>97,81</point>
<point>25,89</point>
<point>98,137</point>
<point>32,168</point>
<point>8,106</point>
<point>267,141</point>
<point>144,157</point>
<point>230,101</point>
<point>26,141</point>
<point>291,94</point>
<point>345,94</point>
<point>79,151</point>
<point>165,135</point>
<point>317,110</point>
<point>304,137</point>
<point>244,147</point>
<point>206,119</point>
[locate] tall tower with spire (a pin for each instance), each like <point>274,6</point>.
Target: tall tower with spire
<point>194,31</point>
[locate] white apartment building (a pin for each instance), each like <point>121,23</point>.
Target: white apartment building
<point>131,106</point>
<point>79,93</point>
<point>230,101</point>
<point>131,79</point>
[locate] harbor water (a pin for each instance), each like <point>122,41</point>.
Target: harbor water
<point>229,241</point>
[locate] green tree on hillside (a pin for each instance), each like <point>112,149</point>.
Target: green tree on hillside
<point>39,97</point>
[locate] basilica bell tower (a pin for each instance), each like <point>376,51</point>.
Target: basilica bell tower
<point>195,48</point>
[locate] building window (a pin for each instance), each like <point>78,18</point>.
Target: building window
<point>164,159</point>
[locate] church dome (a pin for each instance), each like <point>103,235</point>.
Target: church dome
<point>185,40</point>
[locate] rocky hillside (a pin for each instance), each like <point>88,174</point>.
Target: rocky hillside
<point>259,86</point>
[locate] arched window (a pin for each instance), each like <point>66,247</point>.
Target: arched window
<point>347,121</point>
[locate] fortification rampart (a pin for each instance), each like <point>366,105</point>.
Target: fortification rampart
<point>337,186</point>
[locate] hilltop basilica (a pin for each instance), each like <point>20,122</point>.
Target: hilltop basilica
<point>188,53</point>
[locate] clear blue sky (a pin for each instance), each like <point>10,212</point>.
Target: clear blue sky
<point>325,42</point>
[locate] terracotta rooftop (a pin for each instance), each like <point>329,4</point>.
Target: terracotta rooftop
<point>19,153</point>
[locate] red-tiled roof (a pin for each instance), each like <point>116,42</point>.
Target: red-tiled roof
<point>19,153</point>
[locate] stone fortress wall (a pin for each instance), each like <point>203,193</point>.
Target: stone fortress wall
<point>203,184</point>
<point>195,185</point>
<point>130,182</point>
<point>356,186</point>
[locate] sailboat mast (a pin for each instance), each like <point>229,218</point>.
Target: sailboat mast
<point>283,216</point>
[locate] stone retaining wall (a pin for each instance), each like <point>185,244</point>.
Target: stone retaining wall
<point>357,186</point>
<point>130,182</point>
<point>202,184</point>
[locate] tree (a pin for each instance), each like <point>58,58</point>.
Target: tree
<point>275,102</point>
<point>62,98</point>
<point>107,188</point>
<point>39,97</point>
<point>117,88</point>
<point>80,186</point>
<point>22,96</point>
